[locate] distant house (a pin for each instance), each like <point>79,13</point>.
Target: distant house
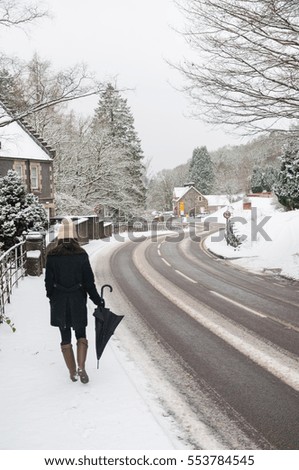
<point>23,151</point>
<point>187,200</point>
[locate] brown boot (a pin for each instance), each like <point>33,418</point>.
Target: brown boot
<point>82,345</point>
<point>68,354</point>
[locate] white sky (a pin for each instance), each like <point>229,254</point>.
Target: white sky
<point>130,40</point>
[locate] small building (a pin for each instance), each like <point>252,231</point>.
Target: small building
<point>23,151</point>
<point>188,201</point>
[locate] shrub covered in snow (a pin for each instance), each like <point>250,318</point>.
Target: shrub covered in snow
<point>20,211</point>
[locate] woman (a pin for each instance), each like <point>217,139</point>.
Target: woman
<point>69,278</point>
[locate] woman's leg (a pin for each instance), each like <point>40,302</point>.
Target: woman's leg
<point>82,345</point>
<point>81,333</point>
<point>68,353</point>
<point>66,335</point>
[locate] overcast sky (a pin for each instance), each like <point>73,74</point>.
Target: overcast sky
<point>130,40</point>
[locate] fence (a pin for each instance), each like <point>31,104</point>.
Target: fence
<point>91,228</point>
<point>12,269</point>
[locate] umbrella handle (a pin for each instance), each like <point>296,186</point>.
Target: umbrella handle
<point>103,287</point>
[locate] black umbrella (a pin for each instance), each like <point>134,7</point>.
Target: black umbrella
<point>105,325</point>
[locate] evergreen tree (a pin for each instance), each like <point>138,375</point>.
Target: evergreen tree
<point>263,179</point>
<point>257,180</point>
<point>270,178</point>
<point>201,171</point>
<point>115,122</point>
<point>287,186</point>
<point>19,211</point>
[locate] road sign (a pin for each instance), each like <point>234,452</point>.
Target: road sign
<point>226,214</point>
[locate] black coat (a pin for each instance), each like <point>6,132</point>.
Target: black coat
<point>69,278</point>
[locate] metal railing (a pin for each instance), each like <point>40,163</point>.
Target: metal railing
<point>12,269</point>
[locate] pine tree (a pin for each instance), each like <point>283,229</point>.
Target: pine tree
<point>19,211</point>
<point>287,187</point>
<point>263,179</point>
<point>114,120</point>
<point>201,171</point>
<point>270,178</point>
<point>257,180</point>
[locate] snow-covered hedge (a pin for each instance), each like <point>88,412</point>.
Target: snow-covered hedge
<point>20,212</point>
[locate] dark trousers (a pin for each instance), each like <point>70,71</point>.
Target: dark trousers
<point>66,334</point>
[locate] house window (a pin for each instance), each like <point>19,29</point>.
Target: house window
<point>18,167</point>
<point>34,177</point>
<point>199,198</point>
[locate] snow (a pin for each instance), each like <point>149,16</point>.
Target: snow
<point>43,409</point>
<point>33,254</point>
<point>179,192</point>
<point>16,143</point>
<point>118,409</point>
<point>217,200</point>
<point>272,242</point>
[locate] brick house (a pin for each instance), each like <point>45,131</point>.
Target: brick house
<point>23,151</point>
<point>187,200</point>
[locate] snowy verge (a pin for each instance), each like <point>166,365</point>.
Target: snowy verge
<point>43,409</point>
<point>270,236</point>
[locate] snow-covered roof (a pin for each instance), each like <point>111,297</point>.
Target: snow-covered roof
<point>179,192</point>
<point>16,142</point>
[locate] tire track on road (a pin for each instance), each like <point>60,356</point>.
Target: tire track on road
<point>280,365</point>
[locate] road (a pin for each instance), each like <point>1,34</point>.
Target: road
<point>224,342</point>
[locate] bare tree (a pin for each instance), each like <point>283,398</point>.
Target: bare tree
<point>72,83</point>
<point>160,188</point>
<point>67,85</point>
<point>17,14</point>
<point>243,71</point>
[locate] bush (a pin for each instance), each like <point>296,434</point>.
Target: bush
<point>20,211</point>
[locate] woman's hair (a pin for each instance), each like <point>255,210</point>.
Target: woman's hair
<point>68,246</point>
